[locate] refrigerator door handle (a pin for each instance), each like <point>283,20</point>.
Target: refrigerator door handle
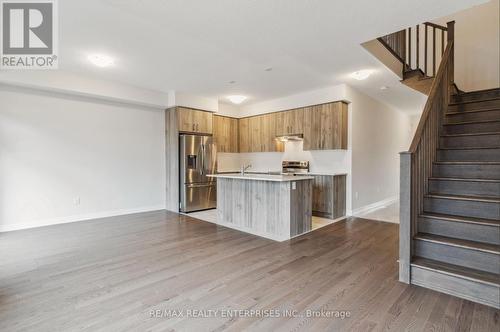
<point>203,159</point>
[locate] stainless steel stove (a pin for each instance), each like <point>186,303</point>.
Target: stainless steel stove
<point>294,167</point>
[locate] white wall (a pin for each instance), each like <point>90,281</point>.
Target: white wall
<point>65,158</point>
<point>477,46</point>
<point>379,133</point>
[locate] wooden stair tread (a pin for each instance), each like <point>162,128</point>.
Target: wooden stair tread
<point>458,162</point>
<point>458,271</point>
<point>465,198</point>
<point>473,111</point>
<point>465,179</point>
<point>471,134</point>
<point>472,148</point>
<point>473,101</point>
<point>467,244</point>
<point>469,122</point>
<point>469,220</point>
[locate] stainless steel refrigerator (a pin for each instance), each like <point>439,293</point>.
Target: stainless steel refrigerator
<point>198,158</point>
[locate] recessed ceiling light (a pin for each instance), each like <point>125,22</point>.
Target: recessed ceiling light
<point>236,99</point>
<point>384,87</point>
<point>101,60</point>
<point>361,74</point>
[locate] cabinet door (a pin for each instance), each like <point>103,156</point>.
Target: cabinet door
<point>221,132</point>
<point>233,136</point>
<point>322,202</point>
<point>255,134</point>
<point>203,122</point>
<point>268,126</point>
<point>193,121</point>
<point>290,122</point>
<point>325,127</point>
<point>186,120</point>
<point>244,135</point>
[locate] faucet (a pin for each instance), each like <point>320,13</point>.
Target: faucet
<point>244,168</point>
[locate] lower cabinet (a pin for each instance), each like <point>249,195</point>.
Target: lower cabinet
<point>329,196</point>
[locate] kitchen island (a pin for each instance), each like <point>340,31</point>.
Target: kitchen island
<point>277,207</point>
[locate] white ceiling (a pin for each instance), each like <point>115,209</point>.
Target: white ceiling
<point>199,46</point>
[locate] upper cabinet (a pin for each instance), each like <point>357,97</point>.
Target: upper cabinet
<point>258,134</point>
<point>194,121</point>
<point>225,132</point>
<point>244,134</point>
<point>290,122</point>
<point>325,126</point>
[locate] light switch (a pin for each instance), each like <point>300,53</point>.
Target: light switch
<point>294,185</point>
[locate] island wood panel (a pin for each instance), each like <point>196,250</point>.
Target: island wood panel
<point>329,196</point>
<point>339,196</point>
<point>267,208</point>
<point>301,207</point>
<point>194,121</point>
<point>172,159</point>
<point>244,134</point>
<point>225,132</point>
<point>325,126</point>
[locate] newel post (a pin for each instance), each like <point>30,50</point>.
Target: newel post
<point>405,222</point>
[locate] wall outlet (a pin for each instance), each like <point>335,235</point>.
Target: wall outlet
<point>76,201</point>
<point>356,195</point>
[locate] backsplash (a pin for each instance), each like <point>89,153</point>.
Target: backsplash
<point>324,162</point>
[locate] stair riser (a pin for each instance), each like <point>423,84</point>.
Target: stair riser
<point>476,209</point>
<point>470,258</point>
<point>473,116</point>
<point>466,171</point>
<point>485,141</point>
<point>464,188</point>
<point>470,128</point>
<point>477,105</point>
<point>469,155</point>
<point>490,94</point>
<point>467,289</point>
<point>460,230</point>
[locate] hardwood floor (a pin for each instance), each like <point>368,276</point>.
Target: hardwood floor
<point>110,274</point>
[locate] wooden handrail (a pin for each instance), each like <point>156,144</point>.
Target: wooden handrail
<point>430,100</point>
<point>408,46</point>
<point>437,26</point>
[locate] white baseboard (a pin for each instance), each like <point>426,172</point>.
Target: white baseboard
<point>360,212</point>
<point>76,218</point>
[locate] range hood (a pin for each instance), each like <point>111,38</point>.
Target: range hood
<point>291,137</point>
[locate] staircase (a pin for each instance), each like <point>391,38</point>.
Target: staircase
<point>450,176</point>
<point>419,49</point>
<point>457,244</point>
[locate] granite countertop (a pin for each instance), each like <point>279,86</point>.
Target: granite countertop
<point>279,173</point>
<point>262,177</point>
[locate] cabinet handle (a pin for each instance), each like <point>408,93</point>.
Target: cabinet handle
<point>193,127</point>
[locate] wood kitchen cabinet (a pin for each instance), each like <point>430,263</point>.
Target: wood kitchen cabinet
<point>194,121</point>
<point>325,126</point>
<point>258,134</point>
<point>290,122</point>
<point>225,132</point>
<point>329,196</point>
<point>243,135</point>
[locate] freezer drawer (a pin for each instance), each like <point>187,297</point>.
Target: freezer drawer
<point>198,196</point>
